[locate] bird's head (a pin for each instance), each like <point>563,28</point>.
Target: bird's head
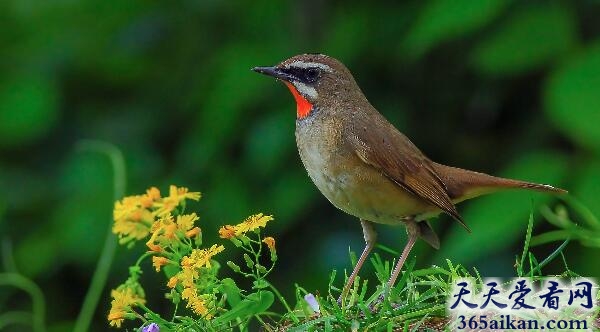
<point>314,80</point>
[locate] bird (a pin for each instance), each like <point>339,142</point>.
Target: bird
<point>366,167</point>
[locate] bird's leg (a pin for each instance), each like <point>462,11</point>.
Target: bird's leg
<point>370,237</point>
<point>412,229</point>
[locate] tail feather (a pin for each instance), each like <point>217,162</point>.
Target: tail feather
<point>464,184</point>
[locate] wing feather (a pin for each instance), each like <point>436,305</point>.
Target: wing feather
<point>389,151</point>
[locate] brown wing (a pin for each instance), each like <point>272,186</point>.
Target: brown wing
<point>381,145</point>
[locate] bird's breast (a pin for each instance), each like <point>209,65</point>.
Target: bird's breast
<point>348,183</point>
<point>320,148</point>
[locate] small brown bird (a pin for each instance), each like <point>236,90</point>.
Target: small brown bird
<point>367,168</point>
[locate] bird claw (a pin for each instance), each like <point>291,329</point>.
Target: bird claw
<point>376,303</point>
<point>382,299</point>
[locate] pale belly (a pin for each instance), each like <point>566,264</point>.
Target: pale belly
<point>357,188</point>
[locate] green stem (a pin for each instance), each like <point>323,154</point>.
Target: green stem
<point>259,245</point>
<point>100,276</point>
<point>283,301</point>
<point>15,318</point>
<point>141,259</point>
<point>254,269</point>
<point>548,259</point>
<point>154,317</point>
<point>38,311</point>
<point>265,326</point>
<point>551,236</point>
<point>175,311</point>
<point>587,215</point>
<point>527,242</point>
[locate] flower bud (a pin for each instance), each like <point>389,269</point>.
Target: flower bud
<point>236,268</point>
<point>261,269</point>
<point>248,260</point>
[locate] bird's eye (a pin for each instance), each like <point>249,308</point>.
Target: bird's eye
<point>312,74</point>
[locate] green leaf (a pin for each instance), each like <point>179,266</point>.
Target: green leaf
<point>260,284</point>
<point>253,304</point>
<point>170,270</point>
<point>28,108</point>
<point>499,219</point>
<point>442,20</point>
<point>526,42</point>
<point>231,290</point>
<point>572,99</point>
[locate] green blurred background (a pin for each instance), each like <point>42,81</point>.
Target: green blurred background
<point>506,87</point>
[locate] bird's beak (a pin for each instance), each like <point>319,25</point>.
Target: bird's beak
<point>276,72</point>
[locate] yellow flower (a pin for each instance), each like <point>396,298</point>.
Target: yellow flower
<point>188,276</point>
<point>195,302</point>
<point>159,261</point>
<point>154,247</point>
<point>198,258</point>
<point>270,242</point>
<point>182,193</point>
<point>201,257</point>
<point>172,282</point>
<point>186,221</point>
<point>186,261</point>
<point>251,223</point>
<point>123,300</point>
<point>126,206</point>
<point>153,193</point>
<point>176,196</point>
<point>227,232</point>
<point>192,232</point>
<point>165,226</point>
<point>135,215</point>
<point>165,229</point>
<point>132,220</point>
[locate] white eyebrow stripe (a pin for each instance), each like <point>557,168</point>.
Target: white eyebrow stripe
<point>302,64</point>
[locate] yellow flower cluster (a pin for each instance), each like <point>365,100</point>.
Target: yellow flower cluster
<point>124,298</point>
<point>135,216</point>
<point>189,274</point>
<point>201,257</point>
<point>251,223</point>
<point>200,304</point>
<point>168,228</point>
<point>174,240</point>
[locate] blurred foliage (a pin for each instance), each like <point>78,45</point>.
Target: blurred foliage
<point>571,100</point>
<point>441,20</point>
<point>505,87</point>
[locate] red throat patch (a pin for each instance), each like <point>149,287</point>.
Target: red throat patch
<point>303,106</point>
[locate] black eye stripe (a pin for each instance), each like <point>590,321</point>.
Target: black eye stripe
<point>312,73</point>
<point>305,75</point>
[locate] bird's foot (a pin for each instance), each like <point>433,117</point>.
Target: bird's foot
<point>382,303</point>
<point>376,304</point>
